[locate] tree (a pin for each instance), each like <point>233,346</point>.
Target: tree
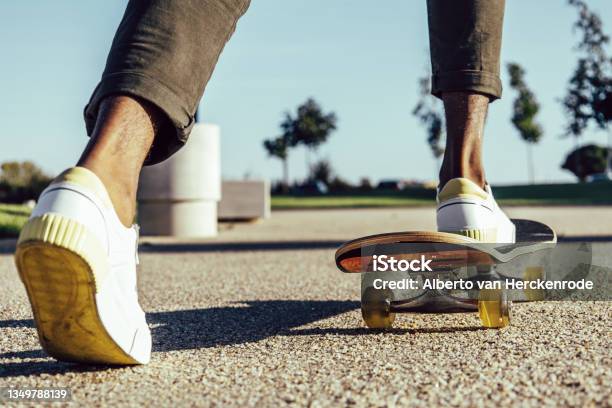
<point>279,148</point>
<point>592,160</point>
<point>429,113</point>
<point>339,185</point>
<point>588,97</point>
<point>21,181</point>
<point>365,184</point>
<point>322,171</point>
<point>525,109</point>
<point>310,126</point>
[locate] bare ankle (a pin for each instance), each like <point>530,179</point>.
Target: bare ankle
<point>124,132</point>
<point>121,190</point>
<point>476,176</point>
<point>465,118</point>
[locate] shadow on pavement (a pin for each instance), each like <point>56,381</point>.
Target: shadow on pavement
<point>248,321</point>
<point>48,366</point>
<point>24,354</point>
<point>13,324</point>
<point>360,331</point>
<point>238,246</point>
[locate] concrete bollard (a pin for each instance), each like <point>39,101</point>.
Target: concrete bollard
<point>179,196</point>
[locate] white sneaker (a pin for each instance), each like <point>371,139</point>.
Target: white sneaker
<point>78,264</point>
<point>466,209</point>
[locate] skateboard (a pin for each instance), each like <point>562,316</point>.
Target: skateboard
<point>446,258</point>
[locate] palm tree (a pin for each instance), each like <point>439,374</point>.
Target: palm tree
<point>279,148</point>
<point>309,127</point>
<point>525,109</point>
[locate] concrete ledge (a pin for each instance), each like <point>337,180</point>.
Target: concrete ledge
<point>244,200</point>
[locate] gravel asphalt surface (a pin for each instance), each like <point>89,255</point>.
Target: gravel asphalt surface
<point>260,316</point>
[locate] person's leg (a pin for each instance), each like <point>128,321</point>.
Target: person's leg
<point>119,144</point>
<point>465,119</point>
<point>76,255</point>
<point>162,56</point>
<point>465,43</point>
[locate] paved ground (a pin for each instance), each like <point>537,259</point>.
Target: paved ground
<point>261,316</point>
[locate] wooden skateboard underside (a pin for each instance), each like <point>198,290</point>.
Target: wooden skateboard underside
<point>447,251</point>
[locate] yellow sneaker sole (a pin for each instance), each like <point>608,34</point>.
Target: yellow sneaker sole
<point>62,265</point>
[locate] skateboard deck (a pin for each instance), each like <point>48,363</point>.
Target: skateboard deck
<point>446,250</point>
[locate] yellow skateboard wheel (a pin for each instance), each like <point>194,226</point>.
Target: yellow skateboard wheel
<point>375,308</point>
<point>494,308</point>
<point>533,273</point>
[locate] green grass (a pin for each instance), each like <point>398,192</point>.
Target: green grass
<point>537,194</point>
<point>12,218</point>
<point>567,193</point>
<point>322,202</point>
<point>290,202</point>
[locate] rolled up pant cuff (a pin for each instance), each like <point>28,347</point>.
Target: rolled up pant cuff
<point>169,138</point>
<point>467,80</point>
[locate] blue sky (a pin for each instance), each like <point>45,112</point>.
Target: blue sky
<point>360,59</point>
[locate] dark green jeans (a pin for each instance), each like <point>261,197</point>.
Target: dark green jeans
<point>165,51</point>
